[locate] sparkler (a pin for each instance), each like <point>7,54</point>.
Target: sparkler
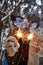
<point>19,34</point>
<point>30,36</point>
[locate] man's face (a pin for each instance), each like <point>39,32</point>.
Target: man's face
<point>12,46</point>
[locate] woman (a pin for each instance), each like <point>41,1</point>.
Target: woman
<point>12,52</point>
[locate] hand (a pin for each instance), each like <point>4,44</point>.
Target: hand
<point>37,49</point>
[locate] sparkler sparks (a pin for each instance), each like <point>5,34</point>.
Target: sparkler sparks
<point>26,36</point>
<point>30,36</point>
<point>19,33</point>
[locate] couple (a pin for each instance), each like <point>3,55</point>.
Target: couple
<point>12,54</point>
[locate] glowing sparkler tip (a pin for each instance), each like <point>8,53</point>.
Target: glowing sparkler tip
<point>30,36</point>
<point>19,34</point>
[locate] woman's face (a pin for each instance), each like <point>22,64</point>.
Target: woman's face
<point>10,50</point>
<point>12,47</point>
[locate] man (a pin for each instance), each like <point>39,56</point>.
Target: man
<point>34,47</point>
<point>12,52</point>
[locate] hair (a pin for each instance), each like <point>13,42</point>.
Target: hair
<point>33,18</point>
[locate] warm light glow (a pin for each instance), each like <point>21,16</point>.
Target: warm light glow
<point>30,36</point>
<point>19,33</point>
